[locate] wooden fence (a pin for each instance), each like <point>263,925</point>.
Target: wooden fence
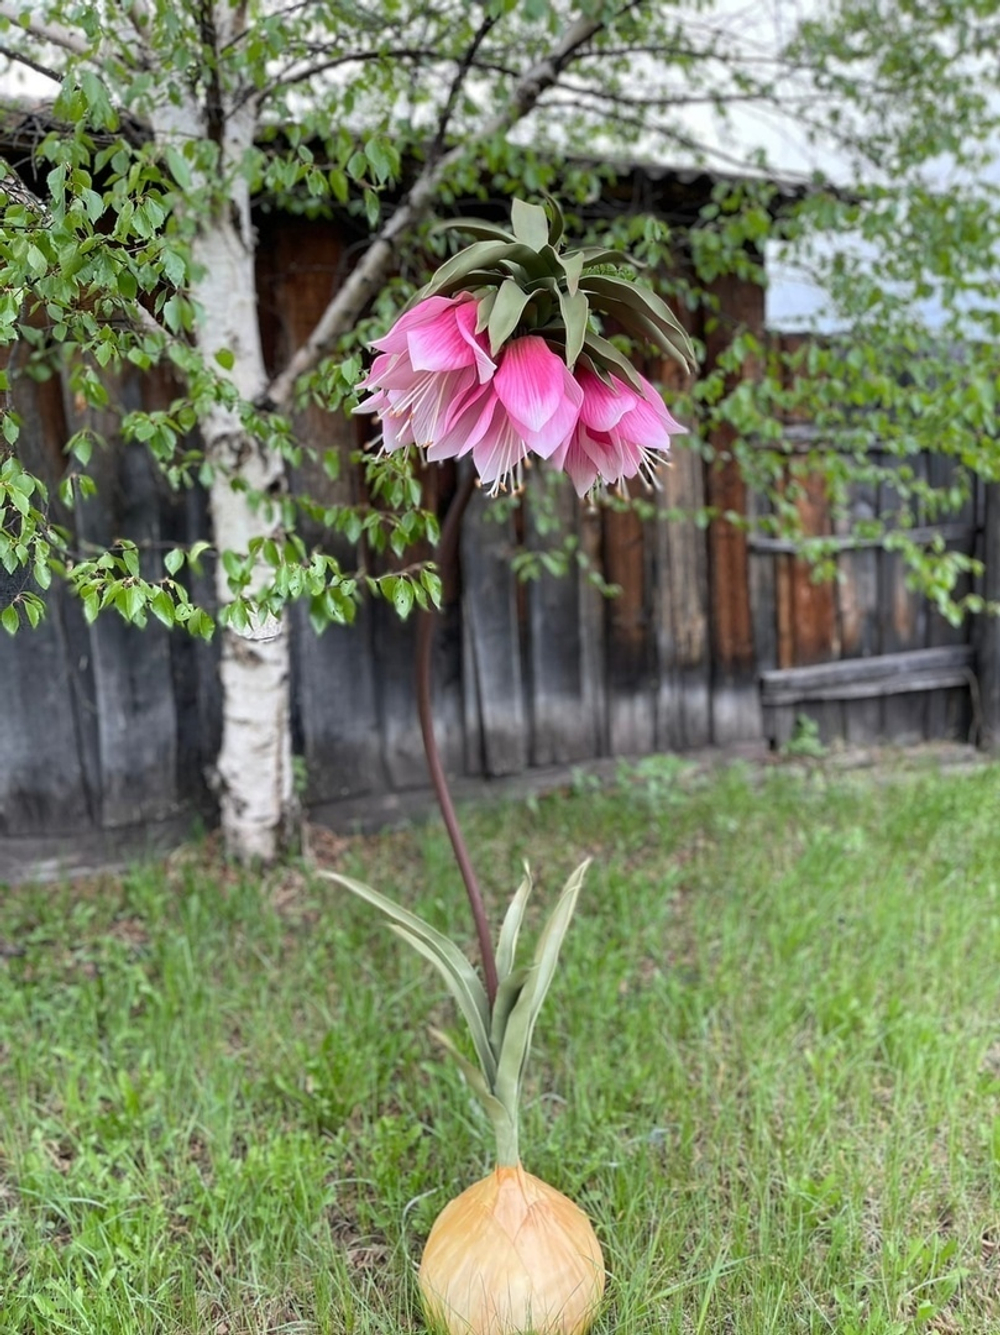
<point>715,638</point>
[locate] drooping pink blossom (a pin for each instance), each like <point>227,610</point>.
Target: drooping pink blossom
<point>620,432</point>
<point>428,363</point>
<point>530,406</point>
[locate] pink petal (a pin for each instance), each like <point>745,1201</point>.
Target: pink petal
<point>466,317</point>
<point>560,425</point>
<point>654,400</point>
<point>499,452</point>
<point>574,461</point>
<point>604,405</point>
<point>382,364</point>
<point>441,345</point>
<point>468,426</point>
<point>439,402</point>
<point>375,403</point>
<point>431,308</point>
<point>530,381</point>
<point>645,425</point>
<point>397,431</point>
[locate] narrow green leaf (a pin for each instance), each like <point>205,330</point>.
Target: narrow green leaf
<point>472,266</point>
<point>460,265</point>
<point>557,220</point>
<point>507,311</point>
<point>9,619</point>
<point>476,227</point>
<point>462,980</point>
<point>485,310</point>
<point>466,999</point>
<point>508,992</point>
<point>651,332</point>
<point>644,302</point>
<point>530,224</point>
<point>503,1120</point>
<point>573,267</point>
<point>576,315</point>
<point>606,355</point>
<point>599,255</point>
<point>520,1026</point>
<point>513,918</point>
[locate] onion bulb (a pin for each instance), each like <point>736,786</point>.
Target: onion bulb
<point>512,1254</point>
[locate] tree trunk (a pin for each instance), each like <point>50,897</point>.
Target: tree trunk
<point>253,773</point>
<point>254,769</point>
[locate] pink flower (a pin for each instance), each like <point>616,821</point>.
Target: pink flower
<point>429,362</point>
<point>530,406</point>
<point>435,385</point>
<point>619,433</point>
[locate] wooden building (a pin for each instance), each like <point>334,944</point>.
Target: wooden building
<point>715,639</point>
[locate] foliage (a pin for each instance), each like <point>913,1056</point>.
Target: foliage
<point>347,104</point>
<point>206,1122</point>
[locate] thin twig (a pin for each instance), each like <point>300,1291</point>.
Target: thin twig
<point>46,70</point>
<point>461,74</point>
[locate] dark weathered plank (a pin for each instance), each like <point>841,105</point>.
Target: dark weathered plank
<point>764,615</point>
<point>335,683</point>
<point>736,711</point>
<point>683,705</point>
<point>592,609</point>
<point>336,675</point>
<point>563,727</point>
<point>680,578</point>
<point>903,626</point>
<point>495,713</point>
<point>857,608</point>
<point>48,754</point>
<point>988,629</point>
<point>42,781</point>
<point>133,680</point>
<point>395,663</point>
<point>813,606</point>
<point>949,713</point>
<point>857,678</point>
<point>631,662</point>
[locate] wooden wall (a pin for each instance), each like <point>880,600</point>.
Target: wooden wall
<point>107,727</point>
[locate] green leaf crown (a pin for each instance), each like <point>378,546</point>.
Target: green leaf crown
<point>524,282</point>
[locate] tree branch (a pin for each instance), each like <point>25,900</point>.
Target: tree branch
<point>378,261</point>
<point>461,74</point>
<point>55,33</point>
<point>295,76</point>
<point>35,65</point>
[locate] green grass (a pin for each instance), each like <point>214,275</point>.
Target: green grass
<point>769,1069</point>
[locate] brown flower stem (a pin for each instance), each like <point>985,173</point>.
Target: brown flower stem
<point>447,552</point>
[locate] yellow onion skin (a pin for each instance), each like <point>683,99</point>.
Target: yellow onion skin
<point>512,1255</point>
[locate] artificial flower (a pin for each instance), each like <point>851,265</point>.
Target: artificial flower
<point>428,363</point>
<point>620,432</point>
<point>531,406</point>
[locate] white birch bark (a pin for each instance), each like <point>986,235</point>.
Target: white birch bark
<point>253,773</point>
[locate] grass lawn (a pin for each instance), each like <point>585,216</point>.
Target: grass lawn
<point>769,1068</point>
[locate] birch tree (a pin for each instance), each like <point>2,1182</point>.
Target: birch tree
<point>170,116</point>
